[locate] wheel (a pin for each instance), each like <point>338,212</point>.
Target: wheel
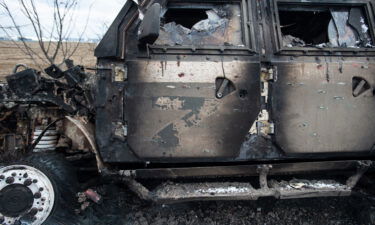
<point>367,215</point>
<point>38,190</point>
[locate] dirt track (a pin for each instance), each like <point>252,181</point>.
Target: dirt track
<point>121,208</point>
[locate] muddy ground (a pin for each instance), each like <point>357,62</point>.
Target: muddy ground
<point>122,208</point>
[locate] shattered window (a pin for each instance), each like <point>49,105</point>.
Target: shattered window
<point>324,26</point>
<point>201,25</point>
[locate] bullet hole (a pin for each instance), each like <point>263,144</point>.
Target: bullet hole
<point>243,93</point>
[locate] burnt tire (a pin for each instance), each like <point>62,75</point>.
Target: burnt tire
<point>57,204</point>
<point>367,215</point>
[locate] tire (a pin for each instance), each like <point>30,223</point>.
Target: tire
<point>367,215</point>
<point>61,176</point>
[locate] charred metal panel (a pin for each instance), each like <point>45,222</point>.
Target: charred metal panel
<point>109,114</point>
<point>173,110</point>
<point>324,107</point>
<point>189,98</point>
<point>246,170</point>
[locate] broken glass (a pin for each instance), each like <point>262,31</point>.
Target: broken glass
<point>357,21</point>
<point>341,34</point>
<point>221,26</point>
<point>290,41</point>
<point>344,27</point>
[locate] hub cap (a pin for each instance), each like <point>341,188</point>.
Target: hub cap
<point>15,200</point>
<point>26,195</point>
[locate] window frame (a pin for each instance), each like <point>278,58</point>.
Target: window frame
<point>283,50</point>
<point>247,28</point>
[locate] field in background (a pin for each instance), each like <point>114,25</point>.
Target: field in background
<point>10,55</point>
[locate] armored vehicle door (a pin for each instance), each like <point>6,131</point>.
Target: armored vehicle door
<point>323,96</point>
<point>194,92</point>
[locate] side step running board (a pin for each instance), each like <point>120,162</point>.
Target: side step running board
<point>295,188</point>
<point>244,191</point>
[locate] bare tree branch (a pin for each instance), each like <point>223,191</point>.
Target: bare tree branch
<point>24,48</point>
<point>69,52</point>
<point>52,42</point>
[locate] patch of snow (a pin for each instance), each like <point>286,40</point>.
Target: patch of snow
<point>298,184</point>
<point>225,190</point>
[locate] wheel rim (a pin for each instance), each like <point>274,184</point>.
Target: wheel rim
<point>26,195</point>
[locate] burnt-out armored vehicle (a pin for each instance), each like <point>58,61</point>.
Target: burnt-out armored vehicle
<point>211,100</point>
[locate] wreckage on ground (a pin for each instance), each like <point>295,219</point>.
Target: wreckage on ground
<point>215,100</point>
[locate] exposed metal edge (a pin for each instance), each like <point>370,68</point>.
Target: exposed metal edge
<point>91,139</point>
<point>242,170</point>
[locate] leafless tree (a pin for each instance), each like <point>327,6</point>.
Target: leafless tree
<point>100,31</point>
<point>52,40</point>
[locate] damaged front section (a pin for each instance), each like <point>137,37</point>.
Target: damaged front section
<point>37,110</point>
<point>68,90</point>
<point>46,128</point>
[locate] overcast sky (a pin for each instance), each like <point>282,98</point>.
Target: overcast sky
<point>102,13</point>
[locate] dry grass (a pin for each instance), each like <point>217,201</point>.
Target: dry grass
<point>10,55</point>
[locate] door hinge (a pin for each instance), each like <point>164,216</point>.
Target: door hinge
<point>265,127</point>
<point>268,74</point>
